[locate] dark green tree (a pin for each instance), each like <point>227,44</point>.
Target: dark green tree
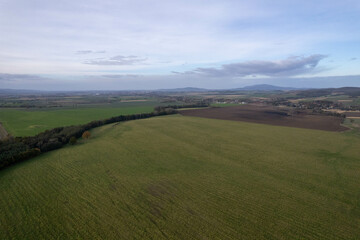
<point>72,140</point>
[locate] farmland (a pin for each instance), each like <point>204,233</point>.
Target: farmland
<point>271,115</point>
<point>27,122</point>
<point>188,178</point>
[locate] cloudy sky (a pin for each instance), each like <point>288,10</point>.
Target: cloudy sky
<point>150,44</point>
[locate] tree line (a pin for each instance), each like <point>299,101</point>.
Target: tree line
<point>193,105</point>
<point>13,150</point>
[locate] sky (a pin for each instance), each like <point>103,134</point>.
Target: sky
<point>154,44</point>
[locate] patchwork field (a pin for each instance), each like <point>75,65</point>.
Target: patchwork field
<point>179,177</point>
<point>270,115</point>
<point>27,122</point>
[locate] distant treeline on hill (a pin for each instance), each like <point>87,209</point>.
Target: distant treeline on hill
<point>351,91</point>
<point>18,149</point>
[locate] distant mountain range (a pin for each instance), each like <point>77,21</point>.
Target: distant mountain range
<point>259,87</point>
<point>266,87</point>
<point>186,89</point>
<point>351,91</point>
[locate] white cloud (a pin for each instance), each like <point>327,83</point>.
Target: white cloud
<point>89,51</point>
<point>42,36</point>
<point>117,60</point>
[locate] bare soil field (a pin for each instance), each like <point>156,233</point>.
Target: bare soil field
<point>352,114</point>
<point>270,115</point>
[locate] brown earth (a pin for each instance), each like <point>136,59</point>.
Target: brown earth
<point>352,114</point>
<point>270,115</point>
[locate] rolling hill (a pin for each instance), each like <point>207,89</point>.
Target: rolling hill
<point>188,178</point>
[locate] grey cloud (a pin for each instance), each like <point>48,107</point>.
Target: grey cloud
<point>353,59</point>
<point>291,66</point>
<point>117,60</point>
<point>84,52</point>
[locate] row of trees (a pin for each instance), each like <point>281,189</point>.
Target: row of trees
<point>18,149</point>
<point>173,107</point>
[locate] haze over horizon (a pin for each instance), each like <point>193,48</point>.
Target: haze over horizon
<point>120,45</point>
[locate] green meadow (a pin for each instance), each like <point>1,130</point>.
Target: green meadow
<point>176,177</point>
<point>28,122</point>
<point>224,104</point>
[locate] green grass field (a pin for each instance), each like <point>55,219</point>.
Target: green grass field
<point>28,122</point>
<point>353,124</point>
<point>178,177</point>
<point>224,104</point>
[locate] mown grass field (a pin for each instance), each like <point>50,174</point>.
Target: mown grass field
<point>178,177</point>
<point>28,122</point>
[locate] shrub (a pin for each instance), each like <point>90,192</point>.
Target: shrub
<point>72,140</point>
<point>86,135</point>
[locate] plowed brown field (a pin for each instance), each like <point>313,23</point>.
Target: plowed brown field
<point>270,115</point>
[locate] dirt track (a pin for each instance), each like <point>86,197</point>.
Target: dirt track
<point>270,115</point>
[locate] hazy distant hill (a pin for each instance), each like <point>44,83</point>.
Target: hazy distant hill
<point>306,92</point>
<point>259,87</point>
<point>186,89</point>
<point>351,91</point>
<point>266,87</point>
<point>19,92</point>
